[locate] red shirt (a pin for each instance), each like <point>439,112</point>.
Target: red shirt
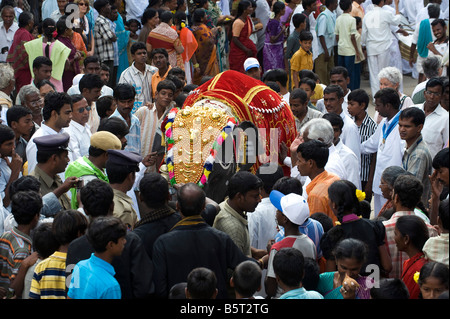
<point>410,267</point>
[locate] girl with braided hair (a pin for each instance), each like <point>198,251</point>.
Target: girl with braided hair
<point>344,203</point>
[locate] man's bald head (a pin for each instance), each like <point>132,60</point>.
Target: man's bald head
<point>190,200</point>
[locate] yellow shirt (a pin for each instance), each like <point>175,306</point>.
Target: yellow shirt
<point>301,60</point>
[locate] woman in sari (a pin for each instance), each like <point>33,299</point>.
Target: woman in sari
<point>17,55</point>
<point>346,283</point>
<point>163,36</point>
<point>273,50</point>
<point>242,47</point>
<point>190,45</point>
<point>206,52</point>
<point>65,35</point>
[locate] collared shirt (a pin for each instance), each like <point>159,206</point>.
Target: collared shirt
<point>235,225</point>
<point>350,135</point>
<point>418,161</point>
<point>436,129</point>
<point>366,130</point>
<point>123,209</point>
<point>436,248</point>
<point>301,60</point>
<point>6,38</point>
<point>389,153</point>
<point>156,78</point>
<point>345,27</point>
<point>351,163</point>
<point>49,184</point>
<point>93,278</point>
<point>104,46</point>
<point>326,23</point>
<point>49,279</point>
<point>399,257</point>
<point>134,136</point>
<point>317,191</point>
<point>15,246</point>
<point>80,139</point>
<point>142,82</point>
<point>376,31</point>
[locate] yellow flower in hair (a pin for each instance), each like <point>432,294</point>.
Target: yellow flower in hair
<point>183,25</point>
<point>416,277</point>
<point>360,195</point>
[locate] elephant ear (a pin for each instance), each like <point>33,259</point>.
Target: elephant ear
<point>193,138</point>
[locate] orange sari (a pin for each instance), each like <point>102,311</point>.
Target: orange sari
<point>206,52</point>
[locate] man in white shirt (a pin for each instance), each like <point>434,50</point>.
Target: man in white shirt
<point>338,76</point>
<point>139,75</point>
<point>135,9</point>
<point>79,130</point>
<point>57,114</point>
<point>333,97</point>
<point>386,141</point>
<point>8,28</point>
<point>376,37</point>
<point>351,162</point>
<point>435,131</point>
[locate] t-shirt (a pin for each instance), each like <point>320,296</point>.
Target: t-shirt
<point>345,27</point>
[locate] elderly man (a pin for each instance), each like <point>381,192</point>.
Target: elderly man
<point>30,97</point>
<point>7,83</point>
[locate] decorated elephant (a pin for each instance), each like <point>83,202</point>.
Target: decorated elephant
<point>232,122</point>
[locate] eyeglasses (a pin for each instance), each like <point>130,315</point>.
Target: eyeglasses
<point>81,109</point>
<point>433,93</point>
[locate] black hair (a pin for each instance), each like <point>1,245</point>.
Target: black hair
<point>360,96</point>
<point>414,113</point>
<point>131,21</point>
<point>176,71</point>
<point>351,248</point>
<point>103,105</point>
<point>54,101</point>
<point>288,265</point>
<point>76,98</point>
<point>96,197</point>
<point>288,185</point>
<point>189,87</point>
<point>148,14</point>
<point>269,180</point>
<point>299,94</point>
<point>441,159</point>
<point>90,81</point>
<point>415,228</point>
<point>25,205</point>
<point>443,214</point>
<point>160,51</point>
<point>24,183</point>
<point>68,225</point>
<point>388,96</point>
<point>115,126</point>
<point>274,86</point>
<point>433,82</point>
<point>41,83</point>
<point>6,134</point>
<point>312,274</point>
<point>438,21</point>
<point>124,91</point>
<point>201,283</point>
<point>343,194</point>
<point>345,4</point>
<point>243,182</point>
<point>15,113</point>
<point>242,6</point>
<point>61,25</point>
<point>277,7</point>
<point>335,120</point>
<point>166,85</point>
<point>310,82</point>
<point>44,241</point>
<point>307,3</point>
<point>178,291</point>
<point>24,18</point>
<point>247,278</point>
<point>276,75</point>
<point>298,19</point>
<point>409,190</point>
<point>306,36</point>
<point>324,220</point>
<point>316,151</point>
<point>137,46</point>
<point>307,74</point>
<point>198,15</point>
<point>99,4</point>
<point>191,205</point>
<point>103,230</point>
<point>335,89</point>
<point>40,61</point>
<point>166,16</point>
<point>436,270</point>
<point>154,190</point>
<point>91,59</point>
<point>179,100</point>
<point>339,70</point>
<point>390,288</point>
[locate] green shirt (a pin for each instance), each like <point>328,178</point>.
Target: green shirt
<point>83,168</point>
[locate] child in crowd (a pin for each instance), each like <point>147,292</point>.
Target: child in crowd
<point>201,284</point>
<point>246,280</point>
<point>302,59</point>
<point>436,248</point>
<point>432,280</point>
<point>390,288</point>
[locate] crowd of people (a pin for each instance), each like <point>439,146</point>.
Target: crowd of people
<point>87,210</point>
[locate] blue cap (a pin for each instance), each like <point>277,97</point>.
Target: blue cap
<point>52,143</point>
<point>122,157</point>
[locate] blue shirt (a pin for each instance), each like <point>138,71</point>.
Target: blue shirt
<point>301,293</point>
<point>134,136</point>
<point>93,278</point>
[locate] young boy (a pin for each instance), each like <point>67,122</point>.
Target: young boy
<point>105,106</point>
<point>302,59</point>
<point>292,42</point>
<point>246,280</point>
<point>358,102</point>
<point>289,267</point>
<point>346,39</point>
<point>20,119</point>
<point>298,102</point>
<point>308,85</point>
<point>201,284</point>
<point>49,279</point>
<point>93,278</point>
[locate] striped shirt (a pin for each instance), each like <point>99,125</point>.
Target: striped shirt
<point>399,257</point>
<point>366,130</point>
<point>104,46</point>
<point>15,246</point>
<point>437,248</point>
<point>49,278</point>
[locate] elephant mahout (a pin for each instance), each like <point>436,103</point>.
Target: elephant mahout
<point>232,122</point>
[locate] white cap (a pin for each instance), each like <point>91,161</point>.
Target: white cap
<point>251,63</point>
<point>293,206</point>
